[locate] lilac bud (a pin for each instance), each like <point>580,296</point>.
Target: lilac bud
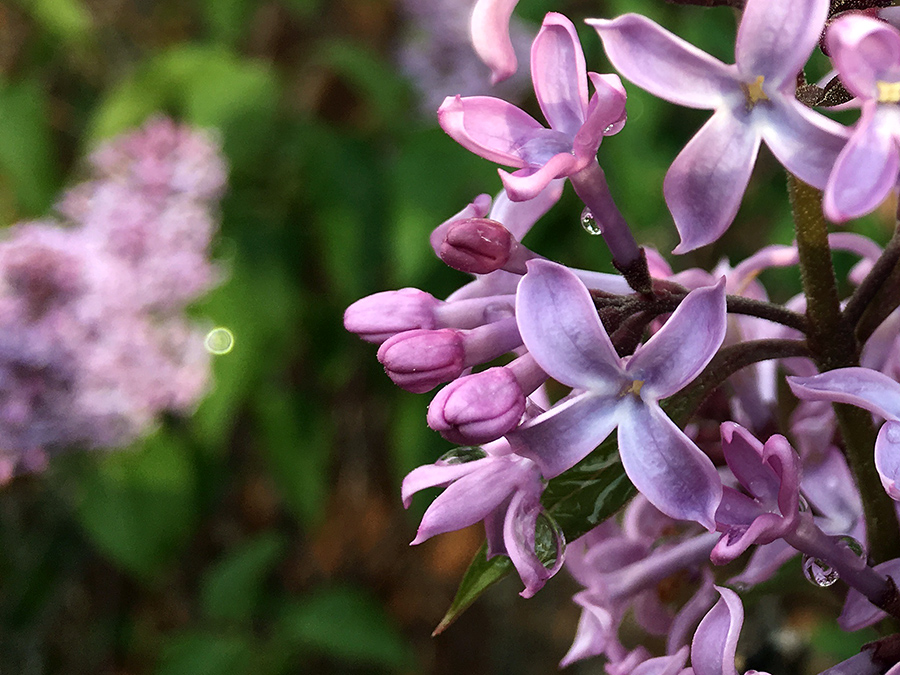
<point>377,317</point>
<point>478,408</point>
<point>477,246</point>
<point>420,360</point>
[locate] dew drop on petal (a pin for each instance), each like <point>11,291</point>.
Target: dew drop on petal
<point>590,225</point>
<point>803,504</point>
<point>549,540</point>
<point>818,572</point>
<point>462,455</point>
<point>854,545</point>
<point>219,341</point>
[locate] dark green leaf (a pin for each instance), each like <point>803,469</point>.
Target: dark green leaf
<point>230,591</point>
<point>206,654</point>
<point>480,576</point>
<point>348,626</point>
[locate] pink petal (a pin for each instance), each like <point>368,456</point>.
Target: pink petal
<point>560,327</point>
<point>715,642</point>
<point>526,184</point>
<point>861,387</point>
<point>867,167</point>
<point>804,141</point>
<point>680,350</point>
<point>864,51</point>
<point>663,64</point>
<point>775,39</point>
<point>887,458</point>
<point>665,465</point>
<point>489,28</point>
<point>519,217</point>
<point>565,434</point>
<point>706,182</point>
<point>605,116</point>
<point>559,74</point>
<point>437,475</point>
<point>489,127</point>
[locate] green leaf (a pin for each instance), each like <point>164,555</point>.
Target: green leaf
<point>206,654</point>
<point>138,506</point>
<point>230,591</point>
<point>348,626</point>
<point>480,576</point>
<point>68,20</point>
<point>578,500</point>
<point>227,19</point>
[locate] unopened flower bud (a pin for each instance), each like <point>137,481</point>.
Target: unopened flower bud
<point>477,246</point>
<point>378,317</point>
<point>478,408</point>
<point>420,360</point>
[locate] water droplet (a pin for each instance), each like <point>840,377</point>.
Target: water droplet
<point>609,129</point>
<point>803,504</point>
<point>818,572</point>
<point>463,455</point>
<point>590,225</point>
<point>854,545</point>
<point>740,586</point>
<point>219,341</point>
<point>549,540</point>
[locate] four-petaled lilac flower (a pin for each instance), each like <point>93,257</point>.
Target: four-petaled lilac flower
<point>866,54</point>
<point>500,488</point>
<point>873,391</point>
<point>770,474</point>
<point>499,131</point>
<point>753,99</point>
<point>560,327</point>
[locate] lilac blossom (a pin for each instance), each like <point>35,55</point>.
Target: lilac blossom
<point>489,27</point>
<point>560,327</point>
<point>501,132</point>
<point>493,485</point>
<point>866,54</point>
<point>753,102</point>
<point>873,391</point>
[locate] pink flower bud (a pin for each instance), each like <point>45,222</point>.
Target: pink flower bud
<point>477,246</point>
<point>478,408</point>
<point>420,360</point>
<point>377,317</point>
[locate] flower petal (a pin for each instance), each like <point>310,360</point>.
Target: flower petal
<point>861,387</point>
<point>775,39</point>
<point>743,454</point>
<point>887,458</point>
<point>565,434</point>
<point>663,64</point>
<point>806,142</point>
<point>527,183</point>
<point>715,642</point>
<point>677,353</point>
<point>864,51</point>
<point>605,117</point>
<point>706,182</point>
<point>560,327</point>
<point>437,475</point>
<point>867,167</point>
<point>666,466</point>
<point>489,127</point>
<point>559,74</point>
<point>519,536</point>
<point>489,27</point>
<point>519,217</point>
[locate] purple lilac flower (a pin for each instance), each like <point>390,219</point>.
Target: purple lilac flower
<point>873,391</point>
<point>866,54</point>
<point>501,132</point>
<point>498,487</point>
<point>94,343</point>
<point>561,329</point>
<point>753,99</point>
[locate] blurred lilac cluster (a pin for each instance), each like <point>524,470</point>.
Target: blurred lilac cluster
<point>94,342</point>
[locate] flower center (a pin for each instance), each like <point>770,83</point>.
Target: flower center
<point>888,92</point>
<point>633,388</point>
<point>753,92</point>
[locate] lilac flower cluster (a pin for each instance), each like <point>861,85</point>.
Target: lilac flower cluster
<point>642,354</point>
<point>95,343</point>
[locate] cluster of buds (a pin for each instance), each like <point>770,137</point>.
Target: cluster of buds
<point>95,342</point>
<point>641,354</point>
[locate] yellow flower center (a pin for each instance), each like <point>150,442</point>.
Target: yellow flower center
<point>888,92</point>
<point>753,92</point>
<point>633,388</point>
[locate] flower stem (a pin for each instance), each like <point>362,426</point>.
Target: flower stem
<point>875,282</point>
<point>833,345</point>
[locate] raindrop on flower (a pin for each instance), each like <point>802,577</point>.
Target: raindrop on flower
<point>219,341</point>
<point>818,572</point>
<point>590,225</point>
<point>853,545</point>
<point>462,455</point>
<point>549,540</point>
<point>803,505</point>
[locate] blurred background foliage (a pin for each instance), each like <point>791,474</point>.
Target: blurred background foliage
<point>265,533</point>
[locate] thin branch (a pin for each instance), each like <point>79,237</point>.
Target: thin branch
<point>874,281</point>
